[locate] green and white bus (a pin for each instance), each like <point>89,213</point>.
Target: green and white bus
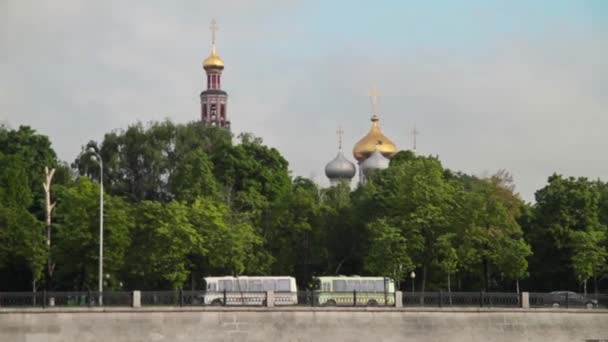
<point>342,290</point>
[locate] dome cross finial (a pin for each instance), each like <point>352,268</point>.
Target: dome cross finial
<point>214,28</point>
<point>374,97</point>
<point>339,132</point>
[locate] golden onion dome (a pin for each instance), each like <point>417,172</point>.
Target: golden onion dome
<point>374,140</point>
<point>213,61</point>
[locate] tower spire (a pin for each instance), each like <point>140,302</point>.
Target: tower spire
<point>214,100</point>
<point>339,132</point>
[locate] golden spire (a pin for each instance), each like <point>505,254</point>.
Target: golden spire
<point>374,140</point>
<point>213,61</point>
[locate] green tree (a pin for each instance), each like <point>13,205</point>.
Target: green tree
<point>388,253</point>
<point>512,259</point>
<point>76,248</point>
<point>163,238</point>
<point>447,258</point>
<point>566,216</point>
<point>22,247</point>
<point>589,257</point>
<point>193,177</point>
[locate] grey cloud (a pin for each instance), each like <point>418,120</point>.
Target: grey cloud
<point>530,105</point>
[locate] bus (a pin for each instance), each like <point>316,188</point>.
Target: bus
<point>342,290</point>
<point>245,290</point>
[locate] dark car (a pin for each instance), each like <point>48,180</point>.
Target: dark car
<point>568,298</point>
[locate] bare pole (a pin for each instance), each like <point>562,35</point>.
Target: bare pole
<point>48,179</point>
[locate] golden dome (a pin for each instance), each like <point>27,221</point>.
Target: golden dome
<point>372,141</point>
<point>213,61</point>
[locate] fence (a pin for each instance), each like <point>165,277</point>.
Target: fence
<point>65,299</point>
<point>462,299</point>
<point>303,298</point>
<point>564,299</point>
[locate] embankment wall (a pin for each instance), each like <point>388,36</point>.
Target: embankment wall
<point>302,324</point>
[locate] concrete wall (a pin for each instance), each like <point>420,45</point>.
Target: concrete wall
<point>302,324</point>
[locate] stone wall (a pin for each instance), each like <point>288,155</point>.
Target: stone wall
<point>302,324</point>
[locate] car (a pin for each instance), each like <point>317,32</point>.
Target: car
<point>569,298</point>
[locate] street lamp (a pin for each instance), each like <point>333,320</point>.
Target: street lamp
<point>413,276</point>
<point>97,158</point>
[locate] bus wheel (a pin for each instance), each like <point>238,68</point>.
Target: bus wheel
<point>372,302</point>
<point>216,302</point>
<point>330,302</point>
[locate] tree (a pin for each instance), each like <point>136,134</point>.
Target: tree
<point>416,195</point>
<point>447,258</point>
<point>163,238</point>
<point>511,259</point>
<point>566,222</point>
<point>22,248</point>
<point>590,257</point>
<point>22,251</point>
<point>193,177</point>
<point>76,248</point>
<point>388,253</point>
<point>489,223</point>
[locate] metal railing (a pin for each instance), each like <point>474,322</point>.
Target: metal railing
<point>564,299</point>
<point>44,299</point>
<point>462,299</point>
<point>441,299</point>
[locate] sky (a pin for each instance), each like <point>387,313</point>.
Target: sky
<point>515,85</point>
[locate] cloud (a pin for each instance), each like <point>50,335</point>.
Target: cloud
<point>530,103</point>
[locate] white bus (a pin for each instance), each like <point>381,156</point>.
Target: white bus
<point>341,290</point>
<point>245,290</point>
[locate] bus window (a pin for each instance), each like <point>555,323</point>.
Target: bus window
<point>364,286</point>
<point>379,285</point>
<point>268,285</point>
<point>225,285</point>
<point>240,285</point>
<point>350,285</point>
<point>340,285</point>
<point>326,286</point>
<point>254,285</point>
<point>283,285</point>
<point>211,287</point>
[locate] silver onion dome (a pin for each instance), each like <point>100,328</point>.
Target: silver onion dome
<point>340,168</point>
<point>374,162</point>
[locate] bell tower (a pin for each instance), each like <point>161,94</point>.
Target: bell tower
<point>214,100</point>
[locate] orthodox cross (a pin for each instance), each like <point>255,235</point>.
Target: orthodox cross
<point>374,96</point>
<point>415,133</point>
<point>213,29</point>
<point>339,132</point>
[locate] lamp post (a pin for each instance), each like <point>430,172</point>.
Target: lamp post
<point>413,276</point>
<point>97,158</point>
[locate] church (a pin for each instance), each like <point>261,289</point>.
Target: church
<point>214,100</point>
<point>372,152</point>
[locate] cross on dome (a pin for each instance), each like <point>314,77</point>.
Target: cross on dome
<point>374,97</point>
<point>214,28</point>
<point>339,132</point>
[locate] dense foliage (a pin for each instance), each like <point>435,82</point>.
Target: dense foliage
<point>184,201</point>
